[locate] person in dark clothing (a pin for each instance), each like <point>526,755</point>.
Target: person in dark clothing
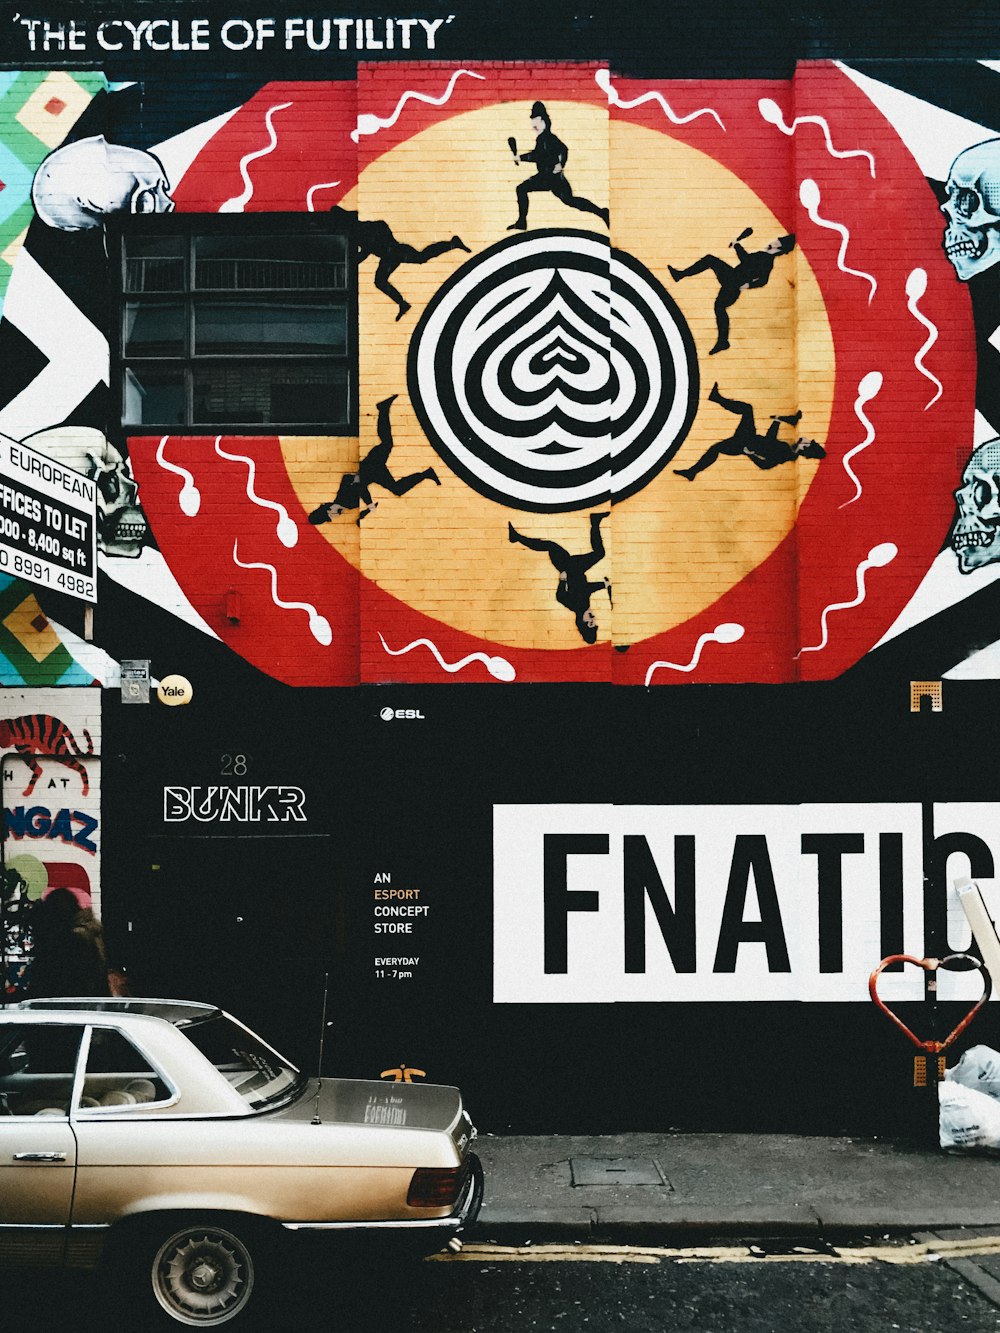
<point>375,238</point>
<point>753,269</point>
<point>16,910</point>
<point>68,945</point>
<point>354,488</point>
<point>549,156</point>
<point>574,590</point>
<point>764,451</point>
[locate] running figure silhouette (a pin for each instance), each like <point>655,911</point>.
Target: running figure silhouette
<point>752,270</point>
<point>375,238</point>
<point>764,451</point>
<point>354,488</point>
<point>549,156</point>
<point>574,590</point>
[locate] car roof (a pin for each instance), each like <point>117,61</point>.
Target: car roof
<point>181,1013</point>
<point>162,1029</point>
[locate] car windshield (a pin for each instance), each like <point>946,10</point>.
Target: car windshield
<point>261,1076</point>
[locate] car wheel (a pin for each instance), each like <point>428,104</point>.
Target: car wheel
<point>202,1275</point>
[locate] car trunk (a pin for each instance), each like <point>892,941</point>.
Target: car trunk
<point>347,1101</point>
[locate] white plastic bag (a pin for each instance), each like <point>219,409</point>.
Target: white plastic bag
<point>968,1120</point>
<point>979,1068</point>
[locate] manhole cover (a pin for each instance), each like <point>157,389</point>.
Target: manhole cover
<point>617,1171</point>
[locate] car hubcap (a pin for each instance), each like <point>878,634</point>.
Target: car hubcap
<point>206,1276</point>
<point>203,1276</point>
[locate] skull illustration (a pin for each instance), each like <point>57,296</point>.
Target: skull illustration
<point>121,525</point>
<point>972,237</point>
<point>80,184</point>
<point>976,535</point>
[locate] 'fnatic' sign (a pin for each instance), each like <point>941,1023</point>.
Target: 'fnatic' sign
<point>602,903</point>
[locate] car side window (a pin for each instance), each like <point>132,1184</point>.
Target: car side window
<point>118,1075</point>
<point>37,1068</point>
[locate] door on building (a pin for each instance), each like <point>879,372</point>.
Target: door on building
<point>249,923</point>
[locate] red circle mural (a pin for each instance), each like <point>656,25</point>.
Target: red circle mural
<point>832,170</point>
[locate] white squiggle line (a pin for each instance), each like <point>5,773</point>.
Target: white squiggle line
<point>190,496</point>
<point>916,286</point>
<point>239,202</point>
<point>603,80</point>
<point>288,533</point>
<point>319,626</point>
<point>809,197</point>
<point>771,112</point>
<point>868,387</point>
<point>326,185</point>
<point>498,667</point>
<point>878,557</point>
<point>727,633</point>
<point>371,124</point>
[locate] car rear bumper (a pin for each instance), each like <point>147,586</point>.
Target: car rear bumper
<point>439,1229</point>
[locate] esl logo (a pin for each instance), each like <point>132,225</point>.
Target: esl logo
<point>409,714</point>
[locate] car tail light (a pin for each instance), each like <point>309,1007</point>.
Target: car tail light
<point>437,1186</point>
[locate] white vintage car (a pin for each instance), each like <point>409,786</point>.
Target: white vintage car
<point>167,1135</point>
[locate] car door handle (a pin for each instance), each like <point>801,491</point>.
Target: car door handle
<point>39,1157</point>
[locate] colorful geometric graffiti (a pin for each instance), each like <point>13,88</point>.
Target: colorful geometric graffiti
<point>37,111</point>
<point>31,651</point>
<point>652,376</point>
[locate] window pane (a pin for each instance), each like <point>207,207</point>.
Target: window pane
<point>37,1065</point>
<point>154,263</point>
<point>257,393</point>
<point>274,326</point>
<point>154,328</point>
<point>117,1074</point>
<point>303,262</point>
<point>259,1075</point>
<point>154,395</point>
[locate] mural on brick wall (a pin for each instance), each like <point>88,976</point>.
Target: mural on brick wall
<point>50,766</point>
<point>37,112</point>
<point>656,382</point>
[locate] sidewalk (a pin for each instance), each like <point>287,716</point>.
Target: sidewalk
<point>543,1187</point>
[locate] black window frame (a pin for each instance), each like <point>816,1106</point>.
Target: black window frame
<point>192,226</point>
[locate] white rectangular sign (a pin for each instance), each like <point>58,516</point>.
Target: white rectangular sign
<point>606,903</point>
<point>48,522</point>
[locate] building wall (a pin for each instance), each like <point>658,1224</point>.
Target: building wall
<point>766,566</point>
<point>718,866</point>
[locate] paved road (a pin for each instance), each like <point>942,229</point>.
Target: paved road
<point>592,1291</point>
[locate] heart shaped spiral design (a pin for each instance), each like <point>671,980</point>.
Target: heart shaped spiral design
<point>552,372</point>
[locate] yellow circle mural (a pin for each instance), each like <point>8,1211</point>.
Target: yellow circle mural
<point>445,549</point>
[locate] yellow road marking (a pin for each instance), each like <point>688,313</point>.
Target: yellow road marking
<point>924,1252</point>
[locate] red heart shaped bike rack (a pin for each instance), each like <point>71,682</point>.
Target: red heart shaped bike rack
<point>932,965</point>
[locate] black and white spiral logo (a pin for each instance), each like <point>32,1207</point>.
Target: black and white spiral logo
<point>551,372</point>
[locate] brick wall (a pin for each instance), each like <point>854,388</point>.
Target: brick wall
<point>445,570</point>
